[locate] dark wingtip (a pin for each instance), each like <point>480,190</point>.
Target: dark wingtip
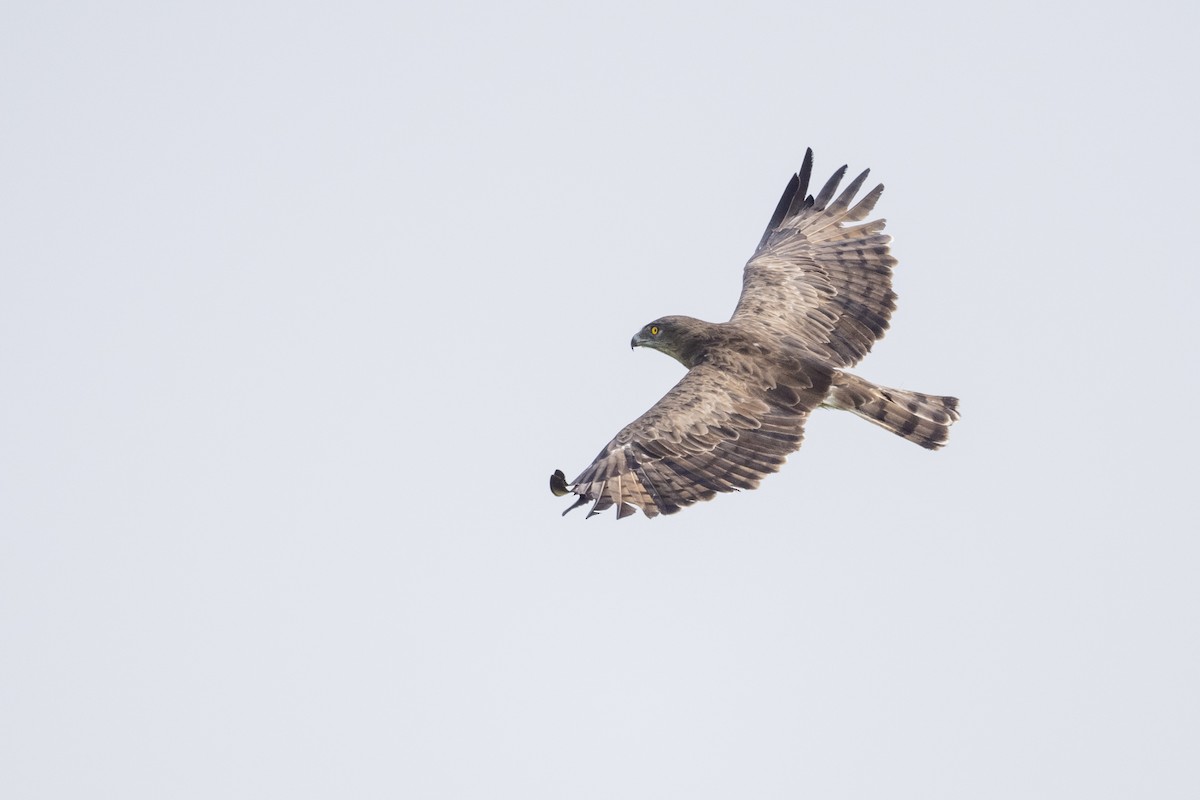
<point>781,210</point>
<point>826,193</point>
<point>805,174</point>
<point>580,502</point>
<point>558,483</point>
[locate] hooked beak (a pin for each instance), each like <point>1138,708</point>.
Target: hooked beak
<point>636,340</point>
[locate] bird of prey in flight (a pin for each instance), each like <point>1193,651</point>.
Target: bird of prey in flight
<point>816,294</point>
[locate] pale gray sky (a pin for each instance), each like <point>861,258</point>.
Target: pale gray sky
<point>301,305</point>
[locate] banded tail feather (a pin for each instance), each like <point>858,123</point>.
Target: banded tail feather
<point>921,418</point>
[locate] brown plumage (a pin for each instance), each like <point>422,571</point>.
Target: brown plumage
<point>816,295</point>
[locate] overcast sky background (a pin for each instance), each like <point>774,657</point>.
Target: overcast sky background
<point>301,305</point>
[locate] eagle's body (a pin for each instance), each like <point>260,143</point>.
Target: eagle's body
<point>815,296</point>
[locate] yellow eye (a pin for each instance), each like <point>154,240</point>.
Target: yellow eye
<point>654,330</point>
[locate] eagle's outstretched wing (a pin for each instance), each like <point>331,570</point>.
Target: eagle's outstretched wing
<point>825,286</point>
<point>717,430</point>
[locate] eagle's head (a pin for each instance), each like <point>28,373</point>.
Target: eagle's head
<point>682,338</point>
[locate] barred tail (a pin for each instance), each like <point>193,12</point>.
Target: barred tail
<point>921,418</point>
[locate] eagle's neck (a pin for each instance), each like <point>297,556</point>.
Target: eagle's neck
<point>694,339</point>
